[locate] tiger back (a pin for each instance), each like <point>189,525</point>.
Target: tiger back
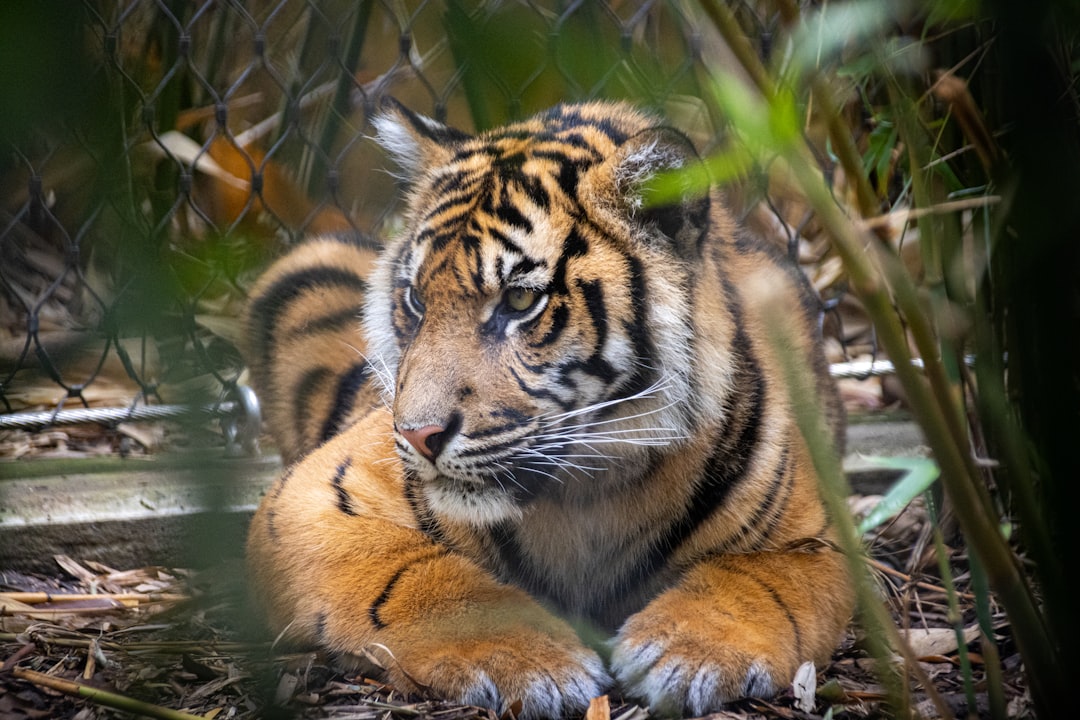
<point>559,406</point>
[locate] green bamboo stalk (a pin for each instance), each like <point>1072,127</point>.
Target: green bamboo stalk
<point>952,603</point>
<point>922,331</point>
<point>102,697</point>
<point>882,635</point>
<point>995,683</point>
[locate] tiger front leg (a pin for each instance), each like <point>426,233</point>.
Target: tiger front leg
<point>449,629</point>
<point>734,626</point>
<point>334,564</point>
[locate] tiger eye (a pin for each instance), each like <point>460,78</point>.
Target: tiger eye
<point>520,299</point>
<point>413,300</point>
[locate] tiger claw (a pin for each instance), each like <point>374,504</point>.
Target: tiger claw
<point>673,684</point>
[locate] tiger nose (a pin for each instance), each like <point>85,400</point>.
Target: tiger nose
<point>430,440</point>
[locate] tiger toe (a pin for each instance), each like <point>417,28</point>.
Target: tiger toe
<point>688,679</point>
<point>548,683</point>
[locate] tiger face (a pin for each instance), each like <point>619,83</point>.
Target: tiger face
<point>513,317</point>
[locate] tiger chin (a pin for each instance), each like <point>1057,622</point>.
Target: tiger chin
<point>545,403</point>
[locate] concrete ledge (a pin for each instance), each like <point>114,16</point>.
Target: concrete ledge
<point>189,511</point>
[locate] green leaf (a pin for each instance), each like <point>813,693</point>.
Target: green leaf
<point>920,474</point>
<point>882,142</point>
<point>946,12</point>
<point>824,36</point>
<point>744,108</point>
<point>762,124</point>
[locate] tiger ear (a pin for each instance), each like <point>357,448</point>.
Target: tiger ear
<point>414,141</point>
<point>683,220</point>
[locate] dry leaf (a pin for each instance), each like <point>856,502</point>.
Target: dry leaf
<point>925,642</point>
<point>804,685</point>
<point>189,152</point>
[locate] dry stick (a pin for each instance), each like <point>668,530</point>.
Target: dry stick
<point>102,697</point>
<point>19,654</point>
<point>882,567</point>
<point>943,208</point>
<point>34,598</point>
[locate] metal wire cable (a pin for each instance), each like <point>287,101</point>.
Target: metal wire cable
<point>247,407</point>
<point>111,415</point>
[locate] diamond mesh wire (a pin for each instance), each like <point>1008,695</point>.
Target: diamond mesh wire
<point>208,136</point>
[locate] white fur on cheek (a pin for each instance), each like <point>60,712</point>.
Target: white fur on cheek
<point>379,319</point>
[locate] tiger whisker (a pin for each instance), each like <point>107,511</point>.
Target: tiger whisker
<point>380,371</point>
<point>629,436</point>
<point>510,474</point>
<point>649,392</point>
<point>536,457</point>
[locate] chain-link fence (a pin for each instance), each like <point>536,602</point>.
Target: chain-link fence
<point>177,146</point>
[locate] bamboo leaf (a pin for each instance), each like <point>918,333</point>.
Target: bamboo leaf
<point>919,475</point>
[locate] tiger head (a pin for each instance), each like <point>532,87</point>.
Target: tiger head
<point>535,314</point>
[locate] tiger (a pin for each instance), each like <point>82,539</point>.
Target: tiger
<point>538,446</point>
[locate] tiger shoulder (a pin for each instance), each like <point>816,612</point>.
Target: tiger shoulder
<point>546,403</point>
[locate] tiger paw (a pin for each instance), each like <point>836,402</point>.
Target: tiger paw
<point>689,669</point>
<point>538,676</point>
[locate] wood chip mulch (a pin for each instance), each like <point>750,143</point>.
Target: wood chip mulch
<point>167,643</point>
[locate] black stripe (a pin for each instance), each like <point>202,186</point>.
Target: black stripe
<point>555,155</point>
<point>637,329</point>
<point>540,393</point>
<point>559,317</point>
<point>451,182</point>
<point>569,175</point>
<point>349,386</point>
<point>567,118</point>
<point>574,245</point>
<point>309,384</point>
<point>271,529</point>
<point>514,567</point>
<point>332,322</point>
<point>534,190</point>
<point>508,213</point>
<point>592,291</point>
<point>373,611</point>
<point>425,127</point>
<point>388,589</point>
<point>280,486</point>
<point>505,241</point>
<point>425,520</point>
<point>344,502</point>
<point>774,595</point>
<point>767,509</point>
<point>280,295</point>
<point>723,471</point>
<point>489,431</point>
<point>644,373</point>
